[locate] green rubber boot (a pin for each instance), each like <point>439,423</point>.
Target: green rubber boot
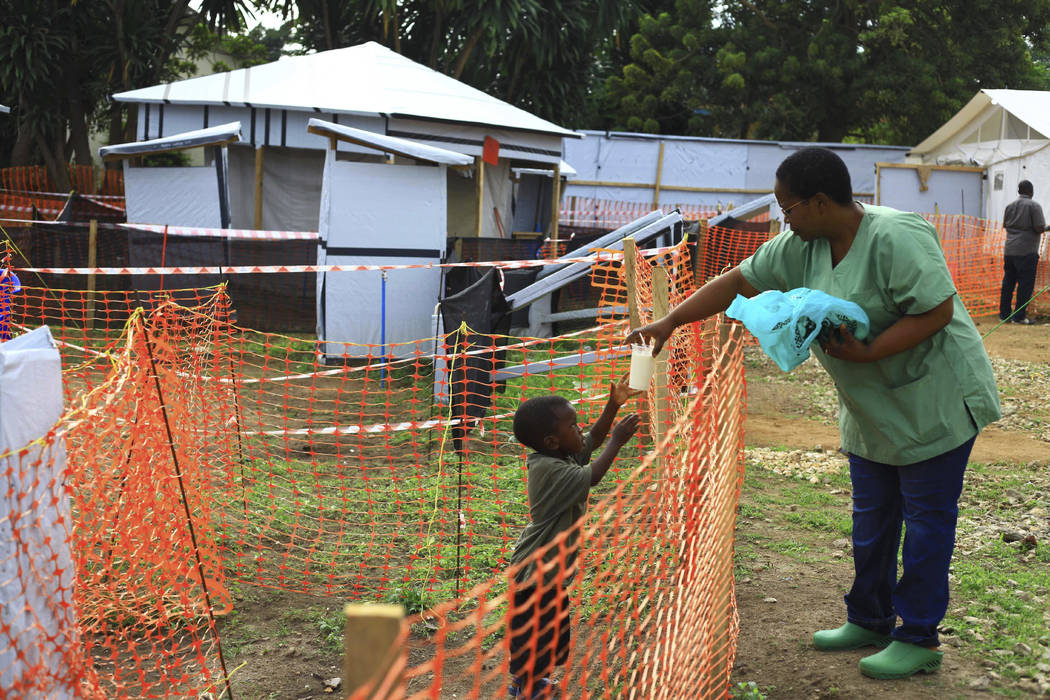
<point>849,636</point>
<point>900,660</point>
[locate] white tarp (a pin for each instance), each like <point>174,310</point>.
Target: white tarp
<point>364,79</point>
<point>174,196</point>
<point>379,214</point>
<point>36,565</point>
<point>698,171</point>
<point>944,191</point>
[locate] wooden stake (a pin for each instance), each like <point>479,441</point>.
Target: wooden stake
<point>661,409</point>
<point>555,204</point>
<point>479,194</point>
<point>258,186</point>
<point>630,273</point>
<point>92,263</point>
<point>371,645</point>
<point>659,174</point>
<point>701,254</point>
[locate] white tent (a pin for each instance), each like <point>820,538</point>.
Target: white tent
<point>368,87</point>
<point>1002,136</point>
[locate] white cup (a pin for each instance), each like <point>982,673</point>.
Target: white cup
<point>642,366</point>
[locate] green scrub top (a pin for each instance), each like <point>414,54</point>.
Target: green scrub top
<point>916,404</point>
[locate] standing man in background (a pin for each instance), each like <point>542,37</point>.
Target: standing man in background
<point>1024,224</point>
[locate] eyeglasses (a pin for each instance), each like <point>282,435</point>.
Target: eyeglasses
<point>787,210</point>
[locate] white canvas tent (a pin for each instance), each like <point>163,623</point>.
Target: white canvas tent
<point>369,87</point>
<point>1003,136</point>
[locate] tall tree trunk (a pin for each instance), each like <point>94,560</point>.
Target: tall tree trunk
<point>55,160</point>
<point>468,47</point>
<point>436,34</point>
<point>78,129</point>
<point>22,151</point>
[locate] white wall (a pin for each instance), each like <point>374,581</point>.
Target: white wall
<point>722,165</point>
<point>173,196</point>
<point>371,211</point>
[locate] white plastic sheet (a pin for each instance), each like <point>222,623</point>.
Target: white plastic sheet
<point>370,212</point>
<point>36,565</point>
<point>174,196</point>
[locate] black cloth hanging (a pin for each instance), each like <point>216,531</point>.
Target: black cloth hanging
<point>486,312</point>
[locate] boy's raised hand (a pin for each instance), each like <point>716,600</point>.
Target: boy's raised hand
<point>625,429</point>
<point>620,392</point>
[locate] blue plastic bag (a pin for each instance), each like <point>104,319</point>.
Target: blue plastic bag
<point>786,323</point>
<point>9,284</point>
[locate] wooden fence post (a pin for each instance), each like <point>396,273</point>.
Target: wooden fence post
<point>371,646</point>
<point>630,275</point>
<point>659,176</point>
<point>257,219</point>
<point>661,415</point>
<point>92,264</point>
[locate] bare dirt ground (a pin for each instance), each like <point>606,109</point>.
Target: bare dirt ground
<point>774,645</point>
<point>282,646</point>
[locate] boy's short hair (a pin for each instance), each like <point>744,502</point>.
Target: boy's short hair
<point>815,169</point>
<point>536,418</point>
<point>1025,187</point>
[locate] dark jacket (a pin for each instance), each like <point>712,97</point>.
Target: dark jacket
<point>1024,224</point>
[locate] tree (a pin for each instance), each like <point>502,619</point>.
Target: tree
<point>61,59</point>
<point>540,55</point>
<point>829,71</point>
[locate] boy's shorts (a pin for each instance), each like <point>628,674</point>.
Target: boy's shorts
<point>539,634</point>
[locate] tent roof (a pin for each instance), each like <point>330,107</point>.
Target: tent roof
<point>212,136</point>
<point>1030,106</point>
<point>367,79</point>
<point>387,144</point>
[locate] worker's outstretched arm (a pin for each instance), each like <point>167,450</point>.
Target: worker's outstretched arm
<point>712,298</point>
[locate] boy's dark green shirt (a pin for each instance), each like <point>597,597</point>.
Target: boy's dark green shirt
<point>558,490</point>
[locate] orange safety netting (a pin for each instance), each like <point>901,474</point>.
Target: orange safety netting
<point>202,456</point>
<point>85,179</point>
<point>197,457</point>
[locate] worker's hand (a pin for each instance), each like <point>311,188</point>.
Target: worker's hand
<point>625,429</point>
<point>842,345</point>
<point>656,332</point>
<point>620,392</point>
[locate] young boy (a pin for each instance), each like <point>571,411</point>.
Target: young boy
<point>559,481</point>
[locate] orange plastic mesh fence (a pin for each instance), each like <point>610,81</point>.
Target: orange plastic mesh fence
<point>974,250</point>
<point>85,179</point>
<point>203,455</point>
<point>197,456</point>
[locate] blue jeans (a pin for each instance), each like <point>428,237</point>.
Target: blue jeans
<point>925,497</point>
